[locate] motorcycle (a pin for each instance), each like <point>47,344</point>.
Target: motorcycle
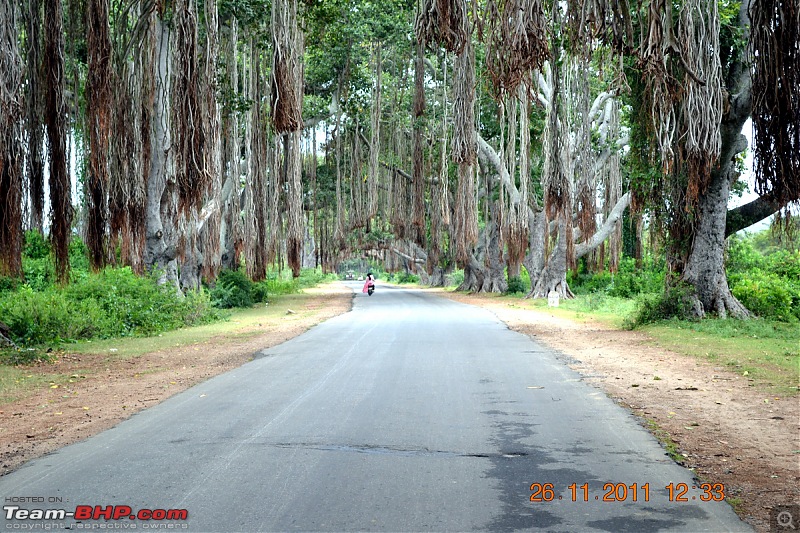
<point>369,286</point>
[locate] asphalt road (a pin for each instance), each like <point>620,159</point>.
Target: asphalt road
<point>410,413</point>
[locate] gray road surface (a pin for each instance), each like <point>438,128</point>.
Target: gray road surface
<point>411,413</point>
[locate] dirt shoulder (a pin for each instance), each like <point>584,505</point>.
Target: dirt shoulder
<point>724,428</point>
<point>105,389</point>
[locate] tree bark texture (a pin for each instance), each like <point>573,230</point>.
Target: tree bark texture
<point>162,206</point>
<point>11,154</point>
<point>56,123</point>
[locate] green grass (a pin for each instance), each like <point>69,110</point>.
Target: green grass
<point>768,352</point>
<point>597,306</point>
<point>240,324</point>
<point>17,382</point>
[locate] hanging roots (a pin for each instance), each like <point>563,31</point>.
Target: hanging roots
<point>608,21</point>
<point>516,43</point>
<point>56,122</point>
<point>465,148</point>
<point>10,143</point>
<point>192,178</point>
<point>701,102</point>
<point>418,157</point>
<point>465,140</point>
<point>287,77</point>
<point>444,22</point>
<point>775,45</point>
<point>98,111</point>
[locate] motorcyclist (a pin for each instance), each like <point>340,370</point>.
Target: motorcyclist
<point>370,282</point>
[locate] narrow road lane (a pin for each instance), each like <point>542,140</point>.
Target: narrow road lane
<point>410,413</point>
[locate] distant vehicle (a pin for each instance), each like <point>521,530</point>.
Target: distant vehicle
<point>349,275</point>
<point>360,278</point>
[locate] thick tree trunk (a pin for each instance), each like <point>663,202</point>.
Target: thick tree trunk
<point>554,274</point>
<point>484,270</point>
<point>705,266</point>
<point>56,122</point>
<point>161,231</point>
<point>231,239</point>
<point>33,23</point>
<point>534,260</point>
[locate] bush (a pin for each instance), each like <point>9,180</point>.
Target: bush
<point>628,282</point>
<point>112,303</point>
<point>741,256</point>
<point>235,289</point>
<point>767,295</point>
<point>39,272</point>
<point>516,285</point>
<point>405,277</point>
<point>36,246</point>
<point>650,308</point>
<point>37,318</point>
<point>456,278</point>
<point>784,264</point>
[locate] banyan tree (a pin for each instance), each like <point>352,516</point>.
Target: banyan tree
<point>443,134</point>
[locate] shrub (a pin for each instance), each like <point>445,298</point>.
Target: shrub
<point>37,318</point>
<point>586,283</point>
<point>39,273</point>
<point>767,295</point>
<point>515,285</point>
<point>233,289</point>
<point>456,278</point>
<point>36,246</point>
<point>8,284</point>
<point>784,264</point>
<point>741,256</point>
<point>112,303</point>
<point>650,308</point>
<point>628,282</point>
<point>405,277</point>
<point>309,277</point>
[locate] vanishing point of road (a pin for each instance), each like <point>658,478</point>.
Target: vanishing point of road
<point>409,413</point>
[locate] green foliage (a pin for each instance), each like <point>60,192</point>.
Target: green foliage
<point>405,277</point>
<point>8,284</point>
<point>113,303</point>
<point>457,277</point>
<point>650,308</point>
<point>768,295</point>
<point>235,289</point>
<point>768,285</point>
<point>516,285</point>
<point>628,282</point>
<point>742,255</point>
<point>36,246</point>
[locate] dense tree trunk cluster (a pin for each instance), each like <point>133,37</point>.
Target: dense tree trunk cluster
<point>194,136</point>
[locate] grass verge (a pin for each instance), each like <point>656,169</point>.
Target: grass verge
<point>17,382</point>
<point>765,351</point>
